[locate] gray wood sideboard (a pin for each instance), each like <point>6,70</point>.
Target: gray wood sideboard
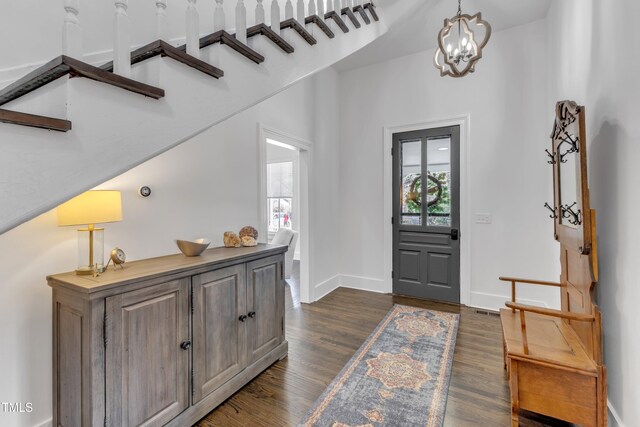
<point>165,340</point>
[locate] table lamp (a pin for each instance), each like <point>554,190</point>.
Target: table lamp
<point>91,208</point>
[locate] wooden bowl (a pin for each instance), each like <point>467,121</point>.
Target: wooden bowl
<point>193,247</point>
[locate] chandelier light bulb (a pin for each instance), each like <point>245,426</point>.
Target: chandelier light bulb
<point>449,48</point>
<point>464,41</point>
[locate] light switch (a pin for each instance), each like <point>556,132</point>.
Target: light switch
<point>483,218</point>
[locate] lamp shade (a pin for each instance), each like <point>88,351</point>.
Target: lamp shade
<point>92,207</point>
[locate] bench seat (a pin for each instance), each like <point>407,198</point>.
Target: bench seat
<point>551,340</point>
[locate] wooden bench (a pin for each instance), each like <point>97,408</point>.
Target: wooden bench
<point>554,358</point>
<point>549,369</point>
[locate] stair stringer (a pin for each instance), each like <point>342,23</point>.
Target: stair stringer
<point>115,130</point>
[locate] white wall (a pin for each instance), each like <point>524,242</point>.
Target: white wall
<point>588,65</point>
<point>509,177</point>
<point>200,189</point>
<point>21,17</point>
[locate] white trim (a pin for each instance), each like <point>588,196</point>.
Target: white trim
<point>46,423</point>
<point>363,283</point>
<point>614,415</point>
<point>345,281</point>
<point>464,121</point>
<point>494,302</point>
<point>305,149</point>
<point>325,288</point>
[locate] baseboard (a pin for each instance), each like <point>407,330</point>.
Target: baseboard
<point>345,281</point>
<point>614,418</point>
<point>324,288</point>
<point>47,423</point>
<point>363,283</point>
<point>496,302</point>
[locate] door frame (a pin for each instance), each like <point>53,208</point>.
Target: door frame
<point>464,121</point>
<point>305,150</point>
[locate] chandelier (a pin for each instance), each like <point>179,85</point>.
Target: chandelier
<point>460,43</point>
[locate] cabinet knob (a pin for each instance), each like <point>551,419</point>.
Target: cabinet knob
<point>252,314</point>
<point>242,318</point>
<point>186,345</point>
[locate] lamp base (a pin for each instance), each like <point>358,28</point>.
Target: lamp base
<point>86,271</point>
<point>90,251</point>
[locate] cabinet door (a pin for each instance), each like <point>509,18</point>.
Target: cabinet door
<point>219,334</point>
<point>265,306</point>
<point>147,370</point>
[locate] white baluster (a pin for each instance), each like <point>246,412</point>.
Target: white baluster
<point>218,17</point>
<point>275,16</point>
<point>193,29</point>
<point>300,11</point>
<point>71,30</point>
<point>259,13</point>
<point>321,8</point>
<point>122,48</point>
<point>241,22</point>
<point>337,6</point>
<point>162,24</point>
<point>329,7</point>
<point>312,7</point>
<point>288,10</point>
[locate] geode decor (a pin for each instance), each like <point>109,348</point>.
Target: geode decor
<point>248,241</point>
<point>231,240</point>
<point>249,231</point>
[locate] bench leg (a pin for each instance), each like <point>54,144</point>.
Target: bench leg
<point>602,397</point>
<point>513,387</point>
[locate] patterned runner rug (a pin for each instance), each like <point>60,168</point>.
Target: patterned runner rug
<point>399,377</point>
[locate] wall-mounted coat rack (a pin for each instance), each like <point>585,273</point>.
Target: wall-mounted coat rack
<point>551,156</point>
<point>554,213</point>
<point>574,217</point>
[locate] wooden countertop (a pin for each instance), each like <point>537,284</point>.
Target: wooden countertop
<point>161,266</point>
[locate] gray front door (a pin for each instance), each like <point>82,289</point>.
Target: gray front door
<point>426,214</point>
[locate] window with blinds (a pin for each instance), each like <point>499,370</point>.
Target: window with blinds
<point>279,195</point>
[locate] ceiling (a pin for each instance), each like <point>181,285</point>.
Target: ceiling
<point>414,24</point>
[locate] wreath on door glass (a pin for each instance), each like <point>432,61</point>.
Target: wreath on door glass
<point>414,193</point>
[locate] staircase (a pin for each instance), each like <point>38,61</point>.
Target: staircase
<point>70,125</point>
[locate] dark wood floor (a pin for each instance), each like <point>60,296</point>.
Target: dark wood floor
<point>322,338</point>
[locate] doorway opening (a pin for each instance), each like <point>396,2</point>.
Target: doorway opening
<point>284,198</point>
<point>426,213</point>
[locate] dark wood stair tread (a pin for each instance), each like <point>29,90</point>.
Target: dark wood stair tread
<point>363,14</point>
<point>34,120</point>
<point>63,65</point>
<point>224,37</point>
<point>162,48</point>
<point>266,31</point>
<point>352,17</point>
<point>315,19</point>
<point>337,19</point>
<point>372,10</point>
<point>295,25</point>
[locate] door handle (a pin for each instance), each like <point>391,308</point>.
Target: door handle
<point>242,318</point>
<point>455,234</point>
<point>252,314</point>
<point>186,345</point>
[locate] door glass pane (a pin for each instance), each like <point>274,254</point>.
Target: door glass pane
<point>439,182</point>
<point>410,192</point>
